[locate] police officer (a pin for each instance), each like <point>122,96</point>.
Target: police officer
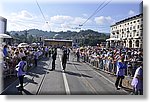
<point>54,54</point>
<point>64,59</point>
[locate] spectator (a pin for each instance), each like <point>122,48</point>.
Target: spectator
<point>5,51</point>
<point>21,72</point>
<point>137,81</point>
<point>121,66</point>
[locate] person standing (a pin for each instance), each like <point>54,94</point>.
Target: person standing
<point>46,51</point>
<point>121,66</point>
<point>50,52</point>
<point>5,51</point>
<point>68,52</point>
<point>64,59</point>
<point>21,72</point>
<point>54,54</point>
<point>78,55</point>
<point>137,81</point>
<point>36,55</point>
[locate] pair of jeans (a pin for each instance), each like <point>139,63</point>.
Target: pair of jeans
<point>119,81</point>
<point>21,81</point>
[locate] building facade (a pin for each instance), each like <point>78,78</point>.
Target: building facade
<point>57,42</point>
<point>127,33</point>
<point>3,24</point>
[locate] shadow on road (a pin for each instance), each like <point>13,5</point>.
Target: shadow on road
<point>27,92</point>
<point>74,63</point>
<point>28,80</point>
<point>77,74</point>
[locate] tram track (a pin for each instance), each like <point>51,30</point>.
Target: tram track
<point>85,80</point>
<point>42,80</point>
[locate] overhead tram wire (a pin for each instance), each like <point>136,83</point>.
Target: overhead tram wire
<point>42,13</point>
<point>40,10</point>
<point>96,11</point>
<point>92,14</point>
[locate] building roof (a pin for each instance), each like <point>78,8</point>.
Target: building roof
<point>2,18</point>
<point>128,19</point>
<point>61,40</point>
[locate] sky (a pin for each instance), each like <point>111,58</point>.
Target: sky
<point>63,15</point>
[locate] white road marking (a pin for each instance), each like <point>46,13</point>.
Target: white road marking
<point>65,80</point>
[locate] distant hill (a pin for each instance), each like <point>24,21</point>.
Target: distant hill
<point>34,35</point>
<point>64,35</point>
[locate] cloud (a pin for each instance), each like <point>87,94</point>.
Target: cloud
<point>60,19</point>
<point>80,20</point>
<point>85,15</point>
<point>99,20</point>
<point>131,13</point>
<point>25,20</point>
<point>23,15</point>
<point>104,20</point>
<point>65,26</point>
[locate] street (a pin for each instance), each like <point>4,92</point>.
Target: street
<point>78,79</point>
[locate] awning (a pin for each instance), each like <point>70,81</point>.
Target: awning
<point>5,36</point>
<point>113,39</point>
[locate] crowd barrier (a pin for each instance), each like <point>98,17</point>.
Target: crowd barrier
<point>8,65</point>
<point>108,65</point>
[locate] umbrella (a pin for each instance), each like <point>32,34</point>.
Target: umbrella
<point>34,44</point>
<point>23,45</point>
<point>5,36</point>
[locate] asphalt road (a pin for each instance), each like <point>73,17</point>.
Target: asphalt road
<point>78,79</point>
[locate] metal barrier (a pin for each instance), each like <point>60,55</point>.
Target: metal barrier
<point>9,65</point>
<point>109,66</point>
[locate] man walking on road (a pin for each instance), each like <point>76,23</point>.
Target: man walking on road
<point>64,59</point>
<point>54,54</point>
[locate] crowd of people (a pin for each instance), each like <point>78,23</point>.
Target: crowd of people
<point>12,55</point>
<point>106,58</point>
<point>120,62</point>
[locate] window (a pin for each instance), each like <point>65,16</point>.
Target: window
<point>134,21</point>
<point>141,33</point>
<point>138,26</point>
<point>130,28</point>
<point>130,22</point>
<point>138,20</point>
<point>137,34</point>
<point>130,35</point>
<point>133,34</point>
<point>133,27</point>
<point>137,43</point>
